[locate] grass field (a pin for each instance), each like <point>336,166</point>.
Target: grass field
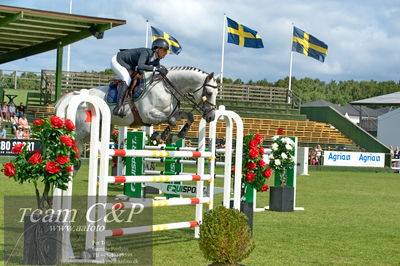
<point>349,218</point>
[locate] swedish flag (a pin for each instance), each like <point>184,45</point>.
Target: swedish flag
<point>307,44</point>
<point>174,45</point>
<point>241,35</point>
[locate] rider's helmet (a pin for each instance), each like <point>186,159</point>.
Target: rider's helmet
<point>160,43</point>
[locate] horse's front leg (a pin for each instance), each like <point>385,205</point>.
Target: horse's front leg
<point>182,133</point>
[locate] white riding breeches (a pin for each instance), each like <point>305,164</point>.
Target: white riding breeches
<point>121,71</point>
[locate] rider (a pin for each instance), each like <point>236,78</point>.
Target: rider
<point>136,61</point>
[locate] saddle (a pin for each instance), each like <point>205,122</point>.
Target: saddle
<point>134,91</point>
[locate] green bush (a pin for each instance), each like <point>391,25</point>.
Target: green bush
<point>225,237</point>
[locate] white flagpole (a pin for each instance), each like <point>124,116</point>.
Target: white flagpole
<point>290,66</point>
<point>223,49</point>
<point>69,46</point>
<point>147,33</point>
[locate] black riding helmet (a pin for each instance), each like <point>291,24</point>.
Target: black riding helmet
<point>160,43</point>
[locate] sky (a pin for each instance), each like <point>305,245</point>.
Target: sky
<point>363,37</point>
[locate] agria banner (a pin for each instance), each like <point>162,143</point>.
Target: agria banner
<point>364,159</point>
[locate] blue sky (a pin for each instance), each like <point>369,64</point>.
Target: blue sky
<point>363,36</point>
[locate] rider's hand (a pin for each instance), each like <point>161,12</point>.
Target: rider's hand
<point>162,70</point>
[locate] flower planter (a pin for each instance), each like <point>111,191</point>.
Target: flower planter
<point>247,209</point>
<point>42,240</point>
<point>281,199</point>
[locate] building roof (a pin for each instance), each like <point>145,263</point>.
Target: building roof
<point>25,32</point>
<point>391,99</point>
<point>349,109</point>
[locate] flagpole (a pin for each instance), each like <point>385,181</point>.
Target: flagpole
<point>223,49</point>
<point>147,33</point>
<point>290,68</point>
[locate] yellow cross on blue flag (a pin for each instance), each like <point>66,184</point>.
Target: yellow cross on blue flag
<point>174,45</point>
<point>244,36</point>
<point>307,44</point>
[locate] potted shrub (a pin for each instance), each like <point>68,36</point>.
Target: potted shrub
<point>282,159</point>
<point>225,238</point>
<point>52,166</point>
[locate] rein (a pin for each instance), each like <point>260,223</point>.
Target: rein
<point>200,107</point>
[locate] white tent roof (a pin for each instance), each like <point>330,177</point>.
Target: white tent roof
<point>391,99</point>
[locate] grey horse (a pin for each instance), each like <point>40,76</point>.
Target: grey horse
<point>160,102</point>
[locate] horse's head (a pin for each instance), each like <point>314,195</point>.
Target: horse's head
<point>207,97</point>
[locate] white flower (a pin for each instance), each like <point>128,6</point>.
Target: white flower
<point>288,147</point>
<point>274,146</point>
<point>271,157</point>
<point>290,141</point>
<point>283,140</point>
<point>154,142</point>
<point>275,137</point>
<point>284,156</point>
<point>277,162</point>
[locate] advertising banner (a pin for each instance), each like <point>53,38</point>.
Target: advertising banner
<point>363,159</point>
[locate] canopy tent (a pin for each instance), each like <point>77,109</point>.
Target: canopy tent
<point>25,32</point>
<point>391,99</point>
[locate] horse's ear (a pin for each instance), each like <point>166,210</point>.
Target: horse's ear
<point>210,76</point>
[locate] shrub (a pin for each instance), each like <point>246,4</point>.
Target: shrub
<point>225,237</point>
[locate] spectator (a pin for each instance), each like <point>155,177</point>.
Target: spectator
<point>18,134</point>
<point>20,110</point>
<point>5,115</point>
<point>3,132</point>
<point>11,109</point>
<point>318,151</point>
<point>26,134</point>
<point>23,122</point>
<point>14,123</point>
<point>396,155</point>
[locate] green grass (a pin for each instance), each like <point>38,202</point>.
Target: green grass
<point>349,218</point>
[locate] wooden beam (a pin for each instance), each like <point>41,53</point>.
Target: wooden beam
<point>59,70</point>
<point>50,45</point>
<point>11,18</point>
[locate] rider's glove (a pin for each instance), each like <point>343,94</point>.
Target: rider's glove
<point>161,69</point>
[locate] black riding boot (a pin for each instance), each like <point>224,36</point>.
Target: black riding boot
<point>118,110</point>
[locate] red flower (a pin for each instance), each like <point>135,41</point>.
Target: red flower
<point>67,140</point>
<point>261,150</point>
<point>253,153</point>
<point>250,177</point>
<point>18,148</point>
<point>267,173</point>
<point>114,133</point>
<point>253,143</point>
<point>38,122</point>
<point>77,155</point>
<point>9,169</point>
<point>52,167</point>
<point>262,163</point>
<point>280,131</point>
<point>62,159</point>
<point>233,170</point>
<point>251,165</point>
<point>258,138</point>
<point>35,158</point>
<point>264,188</point>
<point>69,125</point>
<point>70,169</point>
<point>56,121</point>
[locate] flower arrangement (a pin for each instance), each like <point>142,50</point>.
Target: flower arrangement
<point>282,157</point>
<point>255,170</point>
<point>52,165</point>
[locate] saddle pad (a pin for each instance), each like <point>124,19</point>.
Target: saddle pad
<point>112,93</point>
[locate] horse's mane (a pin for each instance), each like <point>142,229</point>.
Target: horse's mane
<point>186,68</point>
